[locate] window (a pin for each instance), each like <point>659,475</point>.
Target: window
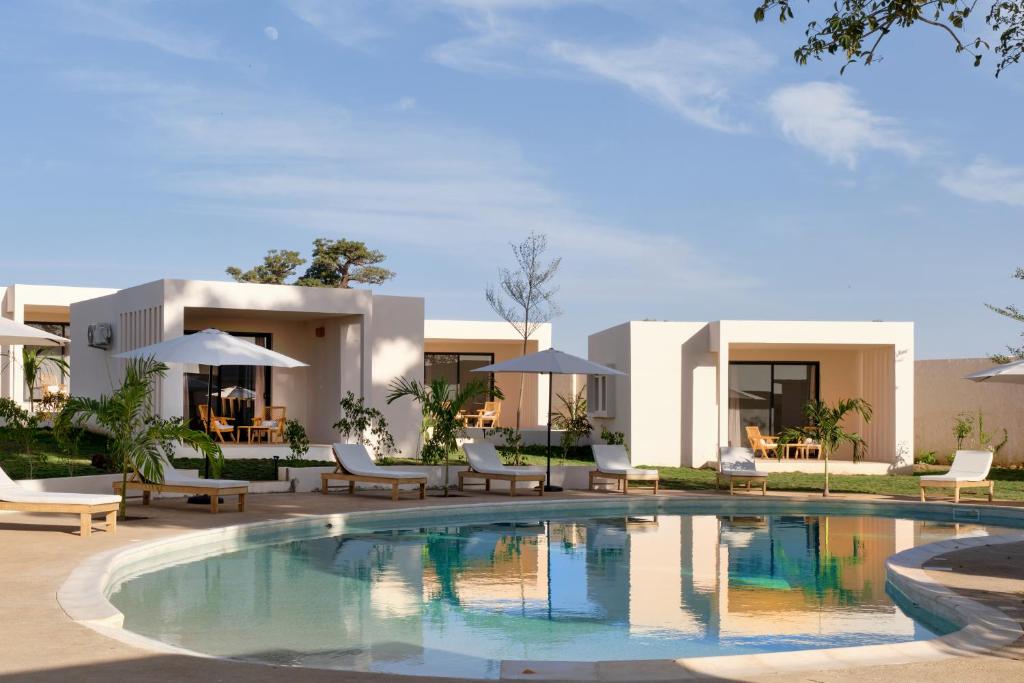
<point>600,398</point>
<point>769,395</point>
<point>457,369</point>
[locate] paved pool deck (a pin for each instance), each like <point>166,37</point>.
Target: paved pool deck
<point>38,642</point>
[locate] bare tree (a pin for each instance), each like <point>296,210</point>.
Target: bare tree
<point>525,296</point>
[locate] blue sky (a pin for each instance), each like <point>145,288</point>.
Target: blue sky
<point>682,164</point>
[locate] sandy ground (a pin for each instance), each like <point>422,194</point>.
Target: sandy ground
<point>38,642</point>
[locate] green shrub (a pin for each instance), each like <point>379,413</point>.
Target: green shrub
<point>298,442</point>
<point>926,458</point>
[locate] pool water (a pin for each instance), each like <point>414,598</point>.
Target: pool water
<point>456,600</point>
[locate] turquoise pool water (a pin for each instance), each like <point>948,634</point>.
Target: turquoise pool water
<point>456,599</point>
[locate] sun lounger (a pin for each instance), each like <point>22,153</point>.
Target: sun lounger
<point>737,465</point>
<point>355,464</point>
<point>16,498</point>
<point>969,470</point>
<point>485,463</point>
<point>176,482</point>
<point>613,463</point>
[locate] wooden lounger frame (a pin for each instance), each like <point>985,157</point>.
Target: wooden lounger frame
<point>512,480</point>
<point>622,480</point>
<point>957,485</point>
<point>719,476</point>
<point>340,475</point>
<point>84,512</point>
<point>214,492</point>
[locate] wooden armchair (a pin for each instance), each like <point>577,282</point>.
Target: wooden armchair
<point>759,443</point>
<point>488,417</point>
<point>273,417</point>
<point>220,426</point>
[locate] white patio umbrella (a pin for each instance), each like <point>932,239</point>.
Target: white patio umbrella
<point>550,362</point>
<point>1009,373</point>
<point>16,333</point>
<point>212,347</point>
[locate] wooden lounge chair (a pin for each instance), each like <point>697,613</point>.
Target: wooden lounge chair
<point>613,463</point>
<point>355,464</point>
<point>220,425</point>
<point>274,418</point>
<point>737,465</point>
<point>16,498</point>
<point>175,482</point>
<point>759,443</point>
<point>969,470</point>
<point>485,463</point>
<point>488,416</point>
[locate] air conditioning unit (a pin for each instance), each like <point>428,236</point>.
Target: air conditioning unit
<point>101,335</point>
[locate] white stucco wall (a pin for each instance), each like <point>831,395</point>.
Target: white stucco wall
<point>396,340</point>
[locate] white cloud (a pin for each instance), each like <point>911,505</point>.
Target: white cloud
<point>828,119</point>
<point>686,77</point>
<point>119,21</point>
<point>346,22</point>
<point>986,180</point>
<point>271,33</point>
<point>406,104</point>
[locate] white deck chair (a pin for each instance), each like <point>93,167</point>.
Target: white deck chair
<point>969,470</point>
<point>737,464</point>
<point>16,498</point>
<point>355,464</point>
<point>177,482</point>
<point>613,463</point>
<point>485,463</point>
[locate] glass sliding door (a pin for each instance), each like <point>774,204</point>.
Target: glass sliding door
<point>239,391</point>
<point>769,395</point>
<point>457,369</point>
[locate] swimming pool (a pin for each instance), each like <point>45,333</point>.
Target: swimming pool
<point>456,594</point>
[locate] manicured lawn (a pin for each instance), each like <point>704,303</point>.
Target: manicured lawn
<point>49,459</point>
<point>1009,482</point>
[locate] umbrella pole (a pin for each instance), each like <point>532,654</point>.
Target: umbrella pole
<point>209,411</point>
<point>548,486</point>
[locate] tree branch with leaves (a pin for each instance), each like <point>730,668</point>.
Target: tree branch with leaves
<point>1013,313</point>
<point>335,263</point>
<point>525,295</point>
<point>856,28</point>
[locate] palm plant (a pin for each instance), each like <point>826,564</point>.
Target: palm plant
<point>441,405</point>
<point>825,427</point>
<point>572,419</point>
<point>33,363</point>
<point>137,439</point>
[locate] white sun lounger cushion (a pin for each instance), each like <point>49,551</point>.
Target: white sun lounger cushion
<point>615,460</point>
<point>967,466</point>
<point>173,477</point>
<point>738,461</point>
<point>483,458</point>
<point>355,459</point>
<point>13,492</point>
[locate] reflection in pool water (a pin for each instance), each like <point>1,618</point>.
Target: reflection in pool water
<point>457,600</point>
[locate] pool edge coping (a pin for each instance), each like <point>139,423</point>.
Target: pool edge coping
<point>82,597</point>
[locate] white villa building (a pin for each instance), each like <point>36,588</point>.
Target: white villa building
<point>352,339</point>
<point>692,387</point>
